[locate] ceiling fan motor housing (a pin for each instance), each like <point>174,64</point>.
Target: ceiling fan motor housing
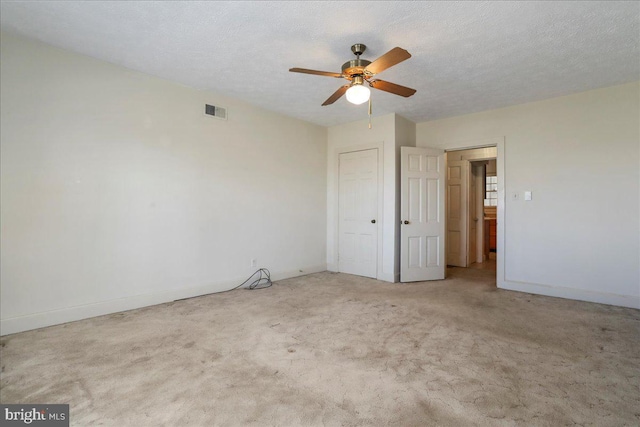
<point>354,67</point>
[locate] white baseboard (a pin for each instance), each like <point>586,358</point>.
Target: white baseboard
<point>572,293</point>
<point>296,273</point>
<point>387,277</point>
<point>70,314</point>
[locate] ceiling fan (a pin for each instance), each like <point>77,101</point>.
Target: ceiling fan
<point>360,73</point>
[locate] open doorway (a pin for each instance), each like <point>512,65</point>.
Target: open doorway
<point>487,205</point>
<point>472,199</point>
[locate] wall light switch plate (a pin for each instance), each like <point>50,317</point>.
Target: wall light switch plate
<point>527,195</point>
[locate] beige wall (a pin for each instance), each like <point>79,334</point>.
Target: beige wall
<point>117,192</point>
<point>579,155</point>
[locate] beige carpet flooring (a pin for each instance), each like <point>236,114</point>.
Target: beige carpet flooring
<point>339,350</point>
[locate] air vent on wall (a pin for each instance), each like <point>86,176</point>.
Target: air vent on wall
<point>214,111</point>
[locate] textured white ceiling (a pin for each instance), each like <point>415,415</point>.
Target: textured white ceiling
<point>467,56</point>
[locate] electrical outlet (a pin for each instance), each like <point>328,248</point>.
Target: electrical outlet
<point>254,262</point>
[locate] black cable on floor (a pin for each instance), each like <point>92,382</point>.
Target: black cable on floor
<point>263,281</point>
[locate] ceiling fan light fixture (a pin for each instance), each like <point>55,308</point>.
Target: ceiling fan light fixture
<point>358,93</point>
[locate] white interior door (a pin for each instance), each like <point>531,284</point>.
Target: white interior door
<point>358,211</point>
<point>457,212</point>
<point>422,236</point>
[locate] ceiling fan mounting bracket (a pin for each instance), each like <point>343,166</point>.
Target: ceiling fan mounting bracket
<point>358,49</point>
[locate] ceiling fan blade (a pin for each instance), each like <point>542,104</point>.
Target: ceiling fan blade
<point>336,95</point>
<point>389,59</point>
<point>318,73</point>
<point>392,88</point>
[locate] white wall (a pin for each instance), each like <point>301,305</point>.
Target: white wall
<point>117,192</point>
<point>580,235</point>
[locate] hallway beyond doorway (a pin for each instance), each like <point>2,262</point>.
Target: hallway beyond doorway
<point>489,264</point>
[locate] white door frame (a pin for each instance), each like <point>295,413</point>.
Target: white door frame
<point>498,142</point>
<point>336,201</point>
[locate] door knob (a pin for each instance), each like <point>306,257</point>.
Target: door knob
<point>373,221</point>
<point>406,222</point>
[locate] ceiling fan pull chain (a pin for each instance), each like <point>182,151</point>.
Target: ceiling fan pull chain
<point>369,113</point>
